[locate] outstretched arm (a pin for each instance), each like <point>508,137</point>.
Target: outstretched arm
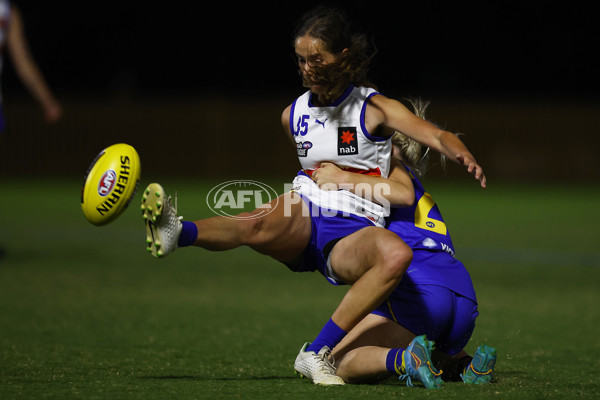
<point>394,115</point>
<point>28,70</point>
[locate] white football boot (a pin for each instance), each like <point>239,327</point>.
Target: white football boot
<point>163,226</point>
<point>317,366</point>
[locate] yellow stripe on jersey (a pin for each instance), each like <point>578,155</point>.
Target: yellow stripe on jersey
<point>422,220</point>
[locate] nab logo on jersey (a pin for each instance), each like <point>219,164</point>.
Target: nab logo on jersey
<point>347,143</point>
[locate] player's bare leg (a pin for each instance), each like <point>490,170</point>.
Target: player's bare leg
<point>361,355</point>
<point>374,263</point>
<point>378,347</point>
<point>282,234</point>
<point>372,260</point>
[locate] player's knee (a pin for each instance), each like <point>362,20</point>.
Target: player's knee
<point>396,256</point>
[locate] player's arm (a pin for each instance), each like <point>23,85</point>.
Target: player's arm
<point>28,70</point>
<point>285,122</point>
<point>397,189</point>
<point>395,116</point>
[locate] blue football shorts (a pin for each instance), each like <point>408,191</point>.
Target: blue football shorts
<point>326,231</point>
<point>436,311</point>
<point>443,315</point>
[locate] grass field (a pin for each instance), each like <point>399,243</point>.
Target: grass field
<point>86,313</point>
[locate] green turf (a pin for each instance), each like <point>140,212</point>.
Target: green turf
<point>86,313</point>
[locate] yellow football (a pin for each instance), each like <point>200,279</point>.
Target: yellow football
<point>110,183</point>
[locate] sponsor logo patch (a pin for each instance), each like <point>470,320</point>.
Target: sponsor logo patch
<point>347,143</point>
<point>302,148</point>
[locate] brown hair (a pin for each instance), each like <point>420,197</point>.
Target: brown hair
<point>332,26</point>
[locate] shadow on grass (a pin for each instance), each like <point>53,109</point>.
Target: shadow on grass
<point>392,381</point>
<point>205,378</point>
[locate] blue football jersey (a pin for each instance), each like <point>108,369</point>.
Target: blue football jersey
<point>422,227</point>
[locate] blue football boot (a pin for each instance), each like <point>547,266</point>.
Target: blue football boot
<point>416,364</point>
<point>481,368</point>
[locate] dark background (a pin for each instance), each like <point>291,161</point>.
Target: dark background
<point>487,48</point>
<point>515,75</point>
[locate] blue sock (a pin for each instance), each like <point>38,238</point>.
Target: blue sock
<point>189,234</point>
<point>393,361</point>
<point>330,336</point>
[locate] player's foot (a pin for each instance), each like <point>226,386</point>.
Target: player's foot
<point>481,368</point>
<point>317,366</point>
<point>416,364</point>
<point>163,226</point>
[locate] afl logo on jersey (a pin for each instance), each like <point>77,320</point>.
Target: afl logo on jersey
<point>347,143</point>
<point>302,148</point>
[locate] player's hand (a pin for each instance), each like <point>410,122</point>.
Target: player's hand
<point>328,176</point>
<point>52,112</point>
<point>472,168</point>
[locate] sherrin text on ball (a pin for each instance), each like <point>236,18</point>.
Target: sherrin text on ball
<point>110,183</point>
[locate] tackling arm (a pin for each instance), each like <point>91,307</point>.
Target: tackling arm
<point>397,189</point>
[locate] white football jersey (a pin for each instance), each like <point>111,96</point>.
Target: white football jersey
<point>337,134</point>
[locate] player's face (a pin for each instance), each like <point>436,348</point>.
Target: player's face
<point>312,53</point>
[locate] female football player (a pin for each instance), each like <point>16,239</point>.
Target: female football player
<point>341,119</point>
<point>435,298</point>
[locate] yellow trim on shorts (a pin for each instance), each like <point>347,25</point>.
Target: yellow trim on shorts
<point>389,303</point>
